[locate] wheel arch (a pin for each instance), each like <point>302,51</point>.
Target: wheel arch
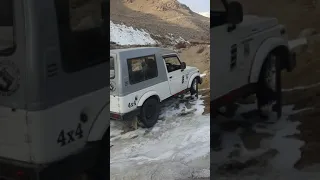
<point>148,95</point>
<point>100,125</point>
<point>273,45</point>
<point>193,76</point>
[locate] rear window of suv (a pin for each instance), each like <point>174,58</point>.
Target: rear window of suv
<point>7,44</point>
<point>142,68</point>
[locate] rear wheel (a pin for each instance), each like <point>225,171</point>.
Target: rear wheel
<point>149,113</point>
<point>194,89</point>
<point>269,87</point>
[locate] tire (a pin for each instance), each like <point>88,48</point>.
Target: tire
<point>149,113</point>
<point>269,87</point>
<point>103,162</point>
<point>194,89</point>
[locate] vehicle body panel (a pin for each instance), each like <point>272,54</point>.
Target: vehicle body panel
<point>46,100</point>
<point>66,118</point>
<point>240,45</point>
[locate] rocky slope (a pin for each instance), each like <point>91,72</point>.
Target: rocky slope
<point>161,17</point>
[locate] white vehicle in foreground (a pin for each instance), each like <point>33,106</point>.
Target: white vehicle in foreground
<point>248,54</point>
<point>54,103</point>
<point>141,78</point>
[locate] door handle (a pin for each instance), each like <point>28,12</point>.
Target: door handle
<point>170,77</point>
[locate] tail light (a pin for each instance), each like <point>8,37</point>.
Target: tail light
<point>115,116</point>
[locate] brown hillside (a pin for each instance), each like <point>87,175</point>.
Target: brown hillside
<point>161,17</point>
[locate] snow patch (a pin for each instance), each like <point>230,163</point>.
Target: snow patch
<point>288,148</point>
<point>179,143</point>
<point>202,75</point>
<point>297,42</point>
<point>205,14</point>
<point>124,35</point>
<point>301,87</point>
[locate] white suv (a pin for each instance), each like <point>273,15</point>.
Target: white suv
<point>141,78</point>
<point>247,56</point>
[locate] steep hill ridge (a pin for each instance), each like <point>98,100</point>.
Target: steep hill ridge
<point>161,17</point>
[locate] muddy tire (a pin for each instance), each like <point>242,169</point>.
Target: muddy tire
<point>269,87</point>
<point>194,89</point>
<point>149,113</point>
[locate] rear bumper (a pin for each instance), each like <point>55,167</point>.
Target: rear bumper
<point>124,116</point>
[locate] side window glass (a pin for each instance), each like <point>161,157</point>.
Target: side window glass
<point>173,63</point>
<point>7,41</point>
<point>142,69</point>
<point>82,40</point>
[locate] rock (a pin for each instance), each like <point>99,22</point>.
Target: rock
<point>307,32</point>
<point>181,45</point>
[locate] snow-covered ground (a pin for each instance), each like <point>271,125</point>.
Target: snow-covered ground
<point>276,139</point>
<point>124,35</point>
<point>177,147</point>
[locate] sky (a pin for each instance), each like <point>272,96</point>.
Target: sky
<point>197,5</point>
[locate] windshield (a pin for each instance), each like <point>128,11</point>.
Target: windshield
<point>6,27</point>
<point>112,69</point>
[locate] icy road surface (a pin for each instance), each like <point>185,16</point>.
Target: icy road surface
<point>260,150</point>
<point>177,147</point>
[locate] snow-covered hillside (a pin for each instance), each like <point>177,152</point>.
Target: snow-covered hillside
<point>124,35</point>
<point>205,14</point>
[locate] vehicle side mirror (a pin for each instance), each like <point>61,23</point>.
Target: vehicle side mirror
<point>234,13</point>
<point>183,65</point>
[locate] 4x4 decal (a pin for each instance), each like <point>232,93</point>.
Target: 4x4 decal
<point>67,137</point>
<point>134,103</point>
<point>182,79</point>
